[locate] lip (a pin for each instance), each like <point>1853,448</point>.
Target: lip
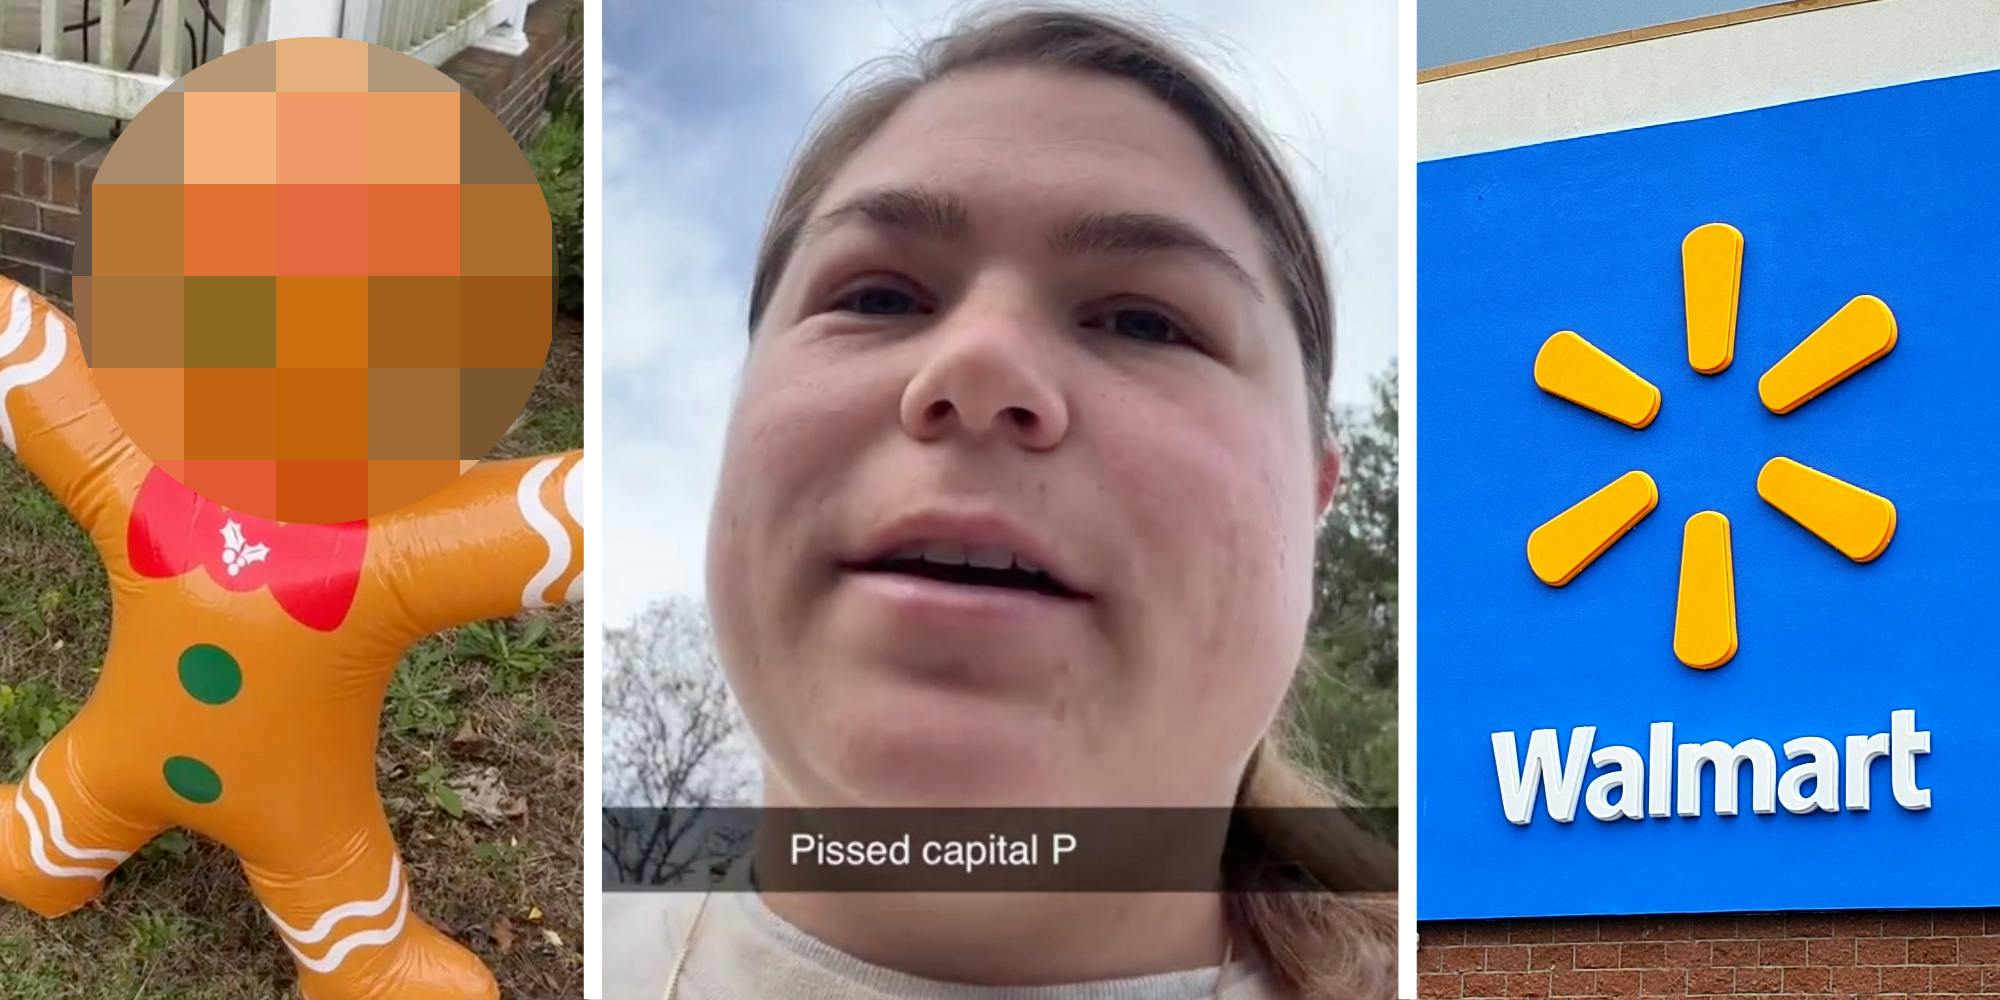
<point>969,529</point>
<point>918,602</point>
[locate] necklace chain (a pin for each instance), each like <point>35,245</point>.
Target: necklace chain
<point>687,945</point>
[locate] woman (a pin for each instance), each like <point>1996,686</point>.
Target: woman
<point>1017,509</point>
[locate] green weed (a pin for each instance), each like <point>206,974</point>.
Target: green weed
<point>153,931</point>
<point>171,844</point>
<point>515,658</point>
<point>438,793</point>
<point>420,694</point>
<point>502,859</point>
<point>30,713</point>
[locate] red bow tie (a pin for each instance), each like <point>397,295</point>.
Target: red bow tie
<point>313,570</point>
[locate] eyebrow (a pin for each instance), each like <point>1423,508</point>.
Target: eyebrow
<point>945,217</point>
<point>939,215</point>
<point>1145,233</point>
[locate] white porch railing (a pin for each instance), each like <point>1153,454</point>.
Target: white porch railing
<point>68,54</point>
<point>436,30</point>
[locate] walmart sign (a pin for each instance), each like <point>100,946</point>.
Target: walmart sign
<point>1709,514</point>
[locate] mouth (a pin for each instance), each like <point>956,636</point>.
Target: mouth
<point>970,566</point>
<point>953,563</point>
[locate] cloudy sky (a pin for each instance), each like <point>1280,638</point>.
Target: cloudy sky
<point>704,101</point>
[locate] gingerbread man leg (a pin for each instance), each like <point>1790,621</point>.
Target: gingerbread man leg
<point>58,841</point>
<point>346,915</point>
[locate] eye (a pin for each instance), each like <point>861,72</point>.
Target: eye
<point>879,299</point>
<point>1140,323</point>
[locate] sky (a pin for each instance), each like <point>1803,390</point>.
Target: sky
<point>704,102</point>
<point>1450,31</point>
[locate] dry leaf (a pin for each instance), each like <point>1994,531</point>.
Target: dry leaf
<point>469,742</point>
<point>503,935</point>
<point>483,794</point>
<point>552,937</point>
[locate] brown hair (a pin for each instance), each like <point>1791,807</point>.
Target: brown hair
<point>1314,944</point>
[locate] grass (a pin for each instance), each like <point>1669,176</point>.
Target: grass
<point>500,699</point>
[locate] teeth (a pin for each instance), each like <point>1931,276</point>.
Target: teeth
<point>960,554</point>
<point>990,557</point>
<point>945,553</point>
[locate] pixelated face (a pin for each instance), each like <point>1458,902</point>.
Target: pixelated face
<point>315,283</point>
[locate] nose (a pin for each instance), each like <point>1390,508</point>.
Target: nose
<point>987,372</point>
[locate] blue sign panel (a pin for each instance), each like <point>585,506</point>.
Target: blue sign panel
<point>1568,759</point>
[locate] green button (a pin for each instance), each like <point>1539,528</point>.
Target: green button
<point>192,780</point>
<point>210,674</point>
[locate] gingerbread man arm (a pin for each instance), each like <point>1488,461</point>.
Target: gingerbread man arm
<point>52,417</point>
<point>506,536</point>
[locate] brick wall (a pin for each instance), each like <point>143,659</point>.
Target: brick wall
<point>1946,953</point>
<point>516,86</point>
<point>42,172</point>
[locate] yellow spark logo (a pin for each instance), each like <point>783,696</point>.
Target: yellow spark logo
<point>1854,521</point>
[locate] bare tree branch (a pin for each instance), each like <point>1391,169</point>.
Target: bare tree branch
<point>673,738</point>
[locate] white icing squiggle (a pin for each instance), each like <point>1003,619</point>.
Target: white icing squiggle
<point>574,500</point>
<point>360,939</point>
<point>529,496</point>
<point>31,371</point>
<point>365,908</point>
<point>39,852</point>
<point>41,793</point>
<point>18,314</point>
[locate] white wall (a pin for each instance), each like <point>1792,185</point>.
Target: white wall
<point>1752,64</point>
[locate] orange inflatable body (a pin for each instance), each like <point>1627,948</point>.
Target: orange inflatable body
<point>243,682</point>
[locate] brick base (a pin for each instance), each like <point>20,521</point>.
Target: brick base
<point>42,175</point>
<point>515,87</point>
<point>1944,953</point>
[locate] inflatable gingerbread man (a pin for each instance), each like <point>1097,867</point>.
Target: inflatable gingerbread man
<point>246,669</point>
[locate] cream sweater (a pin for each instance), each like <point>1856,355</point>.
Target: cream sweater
<point>743,951</point>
